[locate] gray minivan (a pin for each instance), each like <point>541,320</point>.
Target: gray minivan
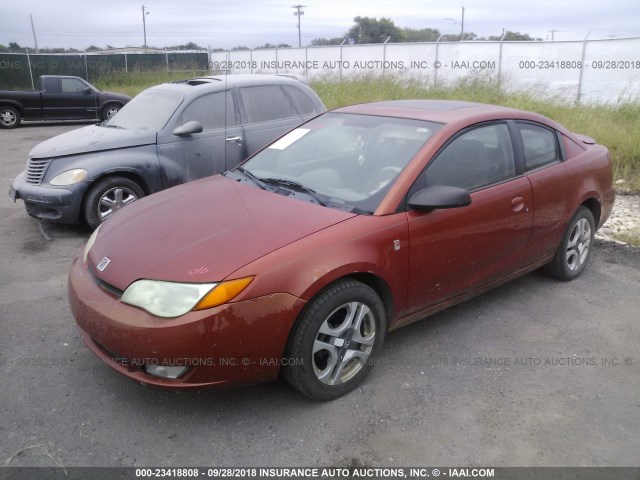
<point>167,135</point>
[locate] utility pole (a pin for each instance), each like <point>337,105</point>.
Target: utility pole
<point>298,13</point>
<point>462,30</point>
<point>33,30</point>
<point>145,12</point>
<point>552,32</point>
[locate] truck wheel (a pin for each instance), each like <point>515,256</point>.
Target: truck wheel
<point>110,110</point>
<point>107,196</point>
<point>9,117</point>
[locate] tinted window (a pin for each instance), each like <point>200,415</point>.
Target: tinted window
<point>265,103</point>
<point>540,146</point>
<point>211,111</point>
<point>477,158</point>
<point>51,85</point>
<point>71,85</point>
<point>301,102</point>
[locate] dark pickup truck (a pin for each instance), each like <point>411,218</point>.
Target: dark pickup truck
<point>59,98</point>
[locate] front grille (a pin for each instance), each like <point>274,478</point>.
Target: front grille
<point>36,168</point>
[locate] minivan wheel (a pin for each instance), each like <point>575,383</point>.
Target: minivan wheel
<point>573,254</point>
<point>108,196</point>
<point>333,346</point>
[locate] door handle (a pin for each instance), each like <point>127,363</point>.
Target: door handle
<point>234,139</point>
<point>517,205</point>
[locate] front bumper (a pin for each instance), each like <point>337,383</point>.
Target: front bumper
<point>239,343</point>
<point>59,204</point>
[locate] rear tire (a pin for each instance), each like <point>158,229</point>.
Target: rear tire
<point>334,344</point>
<point>107,196</point>
<point>574,251</point>
<point>9,117</point>
<point>110,110</point>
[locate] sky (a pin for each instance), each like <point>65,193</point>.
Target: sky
<point>229,23</point>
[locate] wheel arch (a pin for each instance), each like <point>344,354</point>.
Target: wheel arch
<point>596,209</point>
<point>131,174</point>
<point>12,104</point>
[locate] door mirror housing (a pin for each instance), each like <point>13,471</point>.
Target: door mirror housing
<point>439,196</point>
<point>188,128</point>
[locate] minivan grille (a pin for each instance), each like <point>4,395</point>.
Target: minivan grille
<point>36,168</point>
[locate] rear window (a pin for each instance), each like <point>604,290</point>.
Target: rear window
<point>301,102</point>
<point>265,103</point>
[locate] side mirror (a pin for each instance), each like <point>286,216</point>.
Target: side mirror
<point>440,196</point>
<point>188,128</point>
<point>87,91</point>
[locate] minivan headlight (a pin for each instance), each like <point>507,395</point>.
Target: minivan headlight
<point>70,177</point>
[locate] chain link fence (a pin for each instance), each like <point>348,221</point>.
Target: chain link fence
<point>588,71</point>
<point>21,71</point>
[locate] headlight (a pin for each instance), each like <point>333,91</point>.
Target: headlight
<point>70,177</point>
<point>171,299</point>
<point>87,248</point>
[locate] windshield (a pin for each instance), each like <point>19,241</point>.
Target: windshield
<point>344,161</point>
<point>149,110</point>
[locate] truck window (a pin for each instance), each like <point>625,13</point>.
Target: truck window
<point>72,85</point>
<point>51,85</point>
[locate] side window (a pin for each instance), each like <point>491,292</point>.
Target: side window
<point>71,85</point>
<point>51,85</point>
<point>265,103</point>
<point>211,111</point>
<point>301,102</point>
<point>477,158</point>
<point>540,145</point>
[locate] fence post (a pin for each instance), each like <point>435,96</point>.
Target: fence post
<point>86,68</point>
<point>126,65</point>
<point>276,60</point>
<point>584,51</point>
<point>166,58</point>
<point>33,86</point>
<point>250,60</point>
<point>500,61</point>
<point>384,55</point>
<point>341,58</point>
<point>435,72</point>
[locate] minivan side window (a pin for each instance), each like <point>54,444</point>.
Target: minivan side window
<point>479,157</point>
<point>301,102</point>
<point>211,111</point>
<point>264,103</point>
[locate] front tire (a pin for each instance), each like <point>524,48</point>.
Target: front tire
<point>107,196</point>
<point>572,256</point>
<point>9,117</point>
<point>333,345</point>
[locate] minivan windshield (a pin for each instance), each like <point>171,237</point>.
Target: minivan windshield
<point>345,161</point>
<point>149,110</point>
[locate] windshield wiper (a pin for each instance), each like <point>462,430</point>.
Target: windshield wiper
<point>293,184</point>
<point>111,125</point>
<point>251,177</point>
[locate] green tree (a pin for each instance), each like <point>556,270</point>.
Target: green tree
<point>372,30</point>
<point>421,34</point>
<point>515,36</point>
<point>323,42</point>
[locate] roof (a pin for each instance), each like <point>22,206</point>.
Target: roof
<point>216,82</point>
<point>441,111</point>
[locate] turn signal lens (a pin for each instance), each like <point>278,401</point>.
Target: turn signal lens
<point>223,293</point>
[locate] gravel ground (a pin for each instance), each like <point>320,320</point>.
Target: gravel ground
<point>625,218</point>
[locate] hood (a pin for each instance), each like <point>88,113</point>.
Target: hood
<point>202,232</point>
<point>93,138</point>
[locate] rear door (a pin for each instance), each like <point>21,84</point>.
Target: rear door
<point>267,112</point>
<point>456,250</point>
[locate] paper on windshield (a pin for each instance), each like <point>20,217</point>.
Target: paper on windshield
<point>290,138</point>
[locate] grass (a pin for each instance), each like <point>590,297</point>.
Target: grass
<point>631,237</point>
<point>613,125</point>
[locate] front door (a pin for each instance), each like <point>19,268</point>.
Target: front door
<point>453,251</point>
